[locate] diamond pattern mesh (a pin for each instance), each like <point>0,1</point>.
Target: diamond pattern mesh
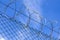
<point>27,28</point>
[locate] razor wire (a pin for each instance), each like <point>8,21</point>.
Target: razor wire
<point>35,34</point>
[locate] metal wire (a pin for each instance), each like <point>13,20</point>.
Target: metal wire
<point>11,29</point>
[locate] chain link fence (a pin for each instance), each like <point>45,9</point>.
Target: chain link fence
<point>18,23</point>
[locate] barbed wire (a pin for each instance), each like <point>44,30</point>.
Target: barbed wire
<point>39,32</point>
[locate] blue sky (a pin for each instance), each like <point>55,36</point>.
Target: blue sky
<point>49,9</point>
